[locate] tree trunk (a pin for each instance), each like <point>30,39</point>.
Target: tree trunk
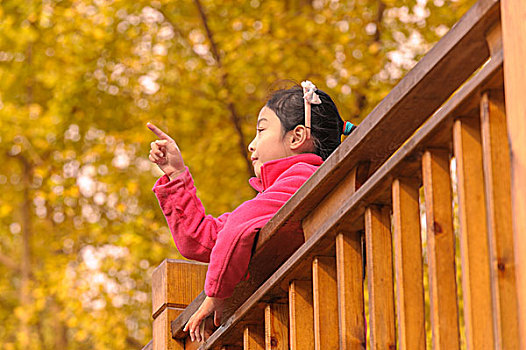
<point>234,117</point>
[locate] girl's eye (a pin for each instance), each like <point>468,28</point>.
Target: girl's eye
<point>260,130</point>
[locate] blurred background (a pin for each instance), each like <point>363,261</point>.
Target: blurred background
<point>80,229</point>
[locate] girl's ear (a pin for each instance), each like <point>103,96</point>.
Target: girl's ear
<point>298,139</point>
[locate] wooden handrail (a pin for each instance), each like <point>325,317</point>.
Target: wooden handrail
<point>350,197</point>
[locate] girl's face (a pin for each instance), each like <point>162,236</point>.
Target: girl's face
<point>269,143</point>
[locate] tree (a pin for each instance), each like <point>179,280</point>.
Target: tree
<point>81,231</point>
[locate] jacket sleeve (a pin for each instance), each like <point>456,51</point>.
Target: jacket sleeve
<point>194,232</point>
<point>232,252</point>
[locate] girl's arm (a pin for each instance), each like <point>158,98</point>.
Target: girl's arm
<point>194,232</point>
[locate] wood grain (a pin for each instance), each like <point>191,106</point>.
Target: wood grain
<point>408,264</point>
<point>175,283</point>
<point>497,179</point>
<point>440,249</point>
<point>380,277</point>
<point>349,268</point>
<point>277,326</point>
<point>162,337</point>
<point>325,298</point>
<point>345,188</point>
<point>473,234</point>
<point>301,315</point>
<point>494,39</point>
<point>254,337</point>
<point>514,37</point>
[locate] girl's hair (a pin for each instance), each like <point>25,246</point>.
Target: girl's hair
<point>326,123</point>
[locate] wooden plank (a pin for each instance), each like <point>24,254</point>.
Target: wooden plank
<point>494,39</point>
<point>345,188</point>
<point>191,345</point>
<point>325,298</point>
<point>162,337</point>
<point>254,337</point>
<point>473,234</point>
<point>350,291</point>
<point>408,264</point>
<point>497,179</point>
<point>514,37</point>
<point>380,277</point>
<point>233,336</point>
<point>440,249</point>
<point>176,283</point>
<point>351,209</point>
<point>301,315</point>
<point>277,326</point>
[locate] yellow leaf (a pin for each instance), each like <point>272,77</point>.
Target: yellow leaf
<point>98,33</point>
<point>374,48</point>
<point>5,210</point>
<point>121,207</point>
<point>72,322</point>
<point>21,313</point>
<point>132,187</point>
<point>35,110</point>
<point>81,334</point>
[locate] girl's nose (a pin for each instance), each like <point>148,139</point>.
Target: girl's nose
<point>252,146</point>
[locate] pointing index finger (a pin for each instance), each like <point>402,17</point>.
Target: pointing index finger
<point>161,134</point>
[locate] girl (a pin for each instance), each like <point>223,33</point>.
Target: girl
<point>297,129</point>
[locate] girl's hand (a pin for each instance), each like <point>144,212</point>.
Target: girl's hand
<point>208,306</point>
<point>165,153</point>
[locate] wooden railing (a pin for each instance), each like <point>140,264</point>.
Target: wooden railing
<point>361,215</point>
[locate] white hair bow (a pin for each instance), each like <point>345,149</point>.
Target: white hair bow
<point>310,97</point>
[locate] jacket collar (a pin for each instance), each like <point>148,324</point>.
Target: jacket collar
<point>271,170</point>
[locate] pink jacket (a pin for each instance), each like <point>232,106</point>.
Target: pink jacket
<point>226,242</point>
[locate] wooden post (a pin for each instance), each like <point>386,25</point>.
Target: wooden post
<point>325,296</point>
<point>498,206</point>
<point>408,265</point>
<point>513,13</point>
<point>440,250</point>
<point>301,315</point>
<point>474,248</point>
<point>175,283</point>
<point>277,326</point>
<point>253,337</point>
<point>380,277</point>
<point>349,267</point>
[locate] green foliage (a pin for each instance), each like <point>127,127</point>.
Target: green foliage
<point>81,231</point>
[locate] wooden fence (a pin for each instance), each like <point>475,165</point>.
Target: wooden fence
<point>365,271</point>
